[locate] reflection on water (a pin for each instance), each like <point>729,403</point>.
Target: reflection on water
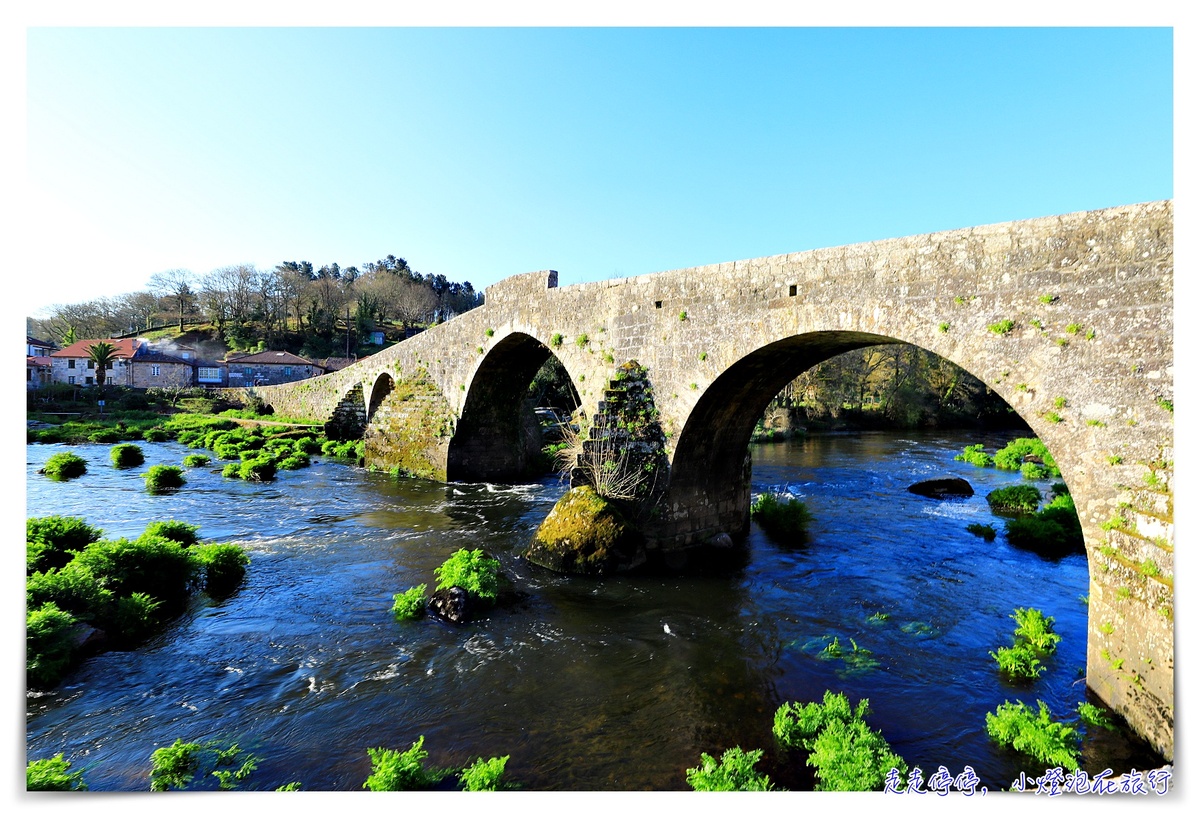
<point>618,683</point>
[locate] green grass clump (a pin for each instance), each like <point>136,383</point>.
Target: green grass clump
<point>1055,530</point>
<point>1033,640</point>
<point>126,455</point>
<point>733,773</point>
<point>848,755</point>
<point>52,775</point>
<point>183,533</point>
<point>155,434</point>
<point>473,571</point>
<point>780,515</point>
<point>483,776</point>
<point>980,530</point>
<point>160,478</point>
<point>193,765</point>
<point>64,466</point>
<point>1022,498</point>
<point>51,541</point>
<point>258,470</point>
<point>397,771</point>
<point>222,566</point>
<point>556,340</point>
<point>192,461</point>
<point>1014,724</point>
<point>1002,327</point>
<point>1035,471</point>
<point>409,604</point>
<point>1013,455</point>
<point>49,645</point>
<point>975,455</point>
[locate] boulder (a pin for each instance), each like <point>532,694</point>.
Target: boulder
<point>585,534</point>
<point>943,487</point>
<point>452,604</point>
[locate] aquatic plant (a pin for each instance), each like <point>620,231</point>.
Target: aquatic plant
<point>1015,725</point>
<point>1034,471</point>
<point>1019,661</point>
<point>223,567</point>
<point>1033,640</point>
<point>975,455</point>
<point>64,466</point>
<point>733,773</point>
<point>49,645</point>
<point>1022,498</point>
<point>177,530</point>
<point>1095,716</point>
<point>1017,452</point>
<point>780,515</point>
<point>981,530</point>
<point>483,776</point>
<point>50,541</point>
<point>161,478</point>
<point>473,571</point>
<point>177,766</point>
<point>193,460</point>
<point>1054,530</point>
<point>409,604</point>
<point>848,755</point>
<point>52,775</point>
<point>396,771</point>
<point>126,455</point>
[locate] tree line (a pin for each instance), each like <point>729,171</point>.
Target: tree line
<point>294,304</point>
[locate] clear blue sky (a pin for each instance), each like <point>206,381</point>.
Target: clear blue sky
<point>479,153</point>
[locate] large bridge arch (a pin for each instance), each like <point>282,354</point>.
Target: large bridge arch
<point>497,436</point>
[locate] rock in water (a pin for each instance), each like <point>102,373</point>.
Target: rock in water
<point>943,487</point>
<point>452,604</point>
<point>585,534</point>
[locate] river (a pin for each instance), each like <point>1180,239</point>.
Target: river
<point>612,684</point>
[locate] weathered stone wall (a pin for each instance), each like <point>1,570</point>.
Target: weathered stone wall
<point>1068,318</point>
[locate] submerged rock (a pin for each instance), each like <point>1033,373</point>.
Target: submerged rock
<point>943,487</point>
<point>585,534</point>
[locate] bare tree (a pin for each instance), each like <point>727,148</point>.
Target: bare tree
<point>177,285</point>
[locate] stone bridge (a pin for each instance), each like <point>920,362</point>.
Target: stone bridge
<point>1068,318</point>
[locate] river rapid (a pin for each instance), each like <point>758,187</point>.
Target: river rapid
<point>612,684</point>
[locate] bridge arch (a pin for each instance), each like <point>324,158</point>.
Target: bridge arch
<point>497,437</point>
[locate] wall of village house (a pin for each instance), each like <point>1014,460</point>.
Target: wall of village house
<point>61,371</point>
<point>143,376</point>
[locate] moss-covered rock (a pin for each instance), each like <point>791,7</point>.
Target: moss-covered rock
<point>585,534</point>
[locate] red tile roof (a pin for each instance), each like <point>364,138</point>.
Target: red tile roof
<point>125,348</point>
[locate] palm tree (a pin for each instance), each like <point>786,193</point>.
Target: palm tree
<point>102,354</point>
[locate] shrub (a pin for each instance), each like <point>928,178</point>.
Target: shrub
<point>396,771</point>
<point>64,466</point>
<point>975,455</point>
<point>483,776</point>
<point>50,541</point>
<point>780,515</point>
<point>49,645</point>
<point>847,754</point>
<point>410,604</point>
<point>126,455</point>
<point>1015,725</point>
<point>733,773</point>
<point>191,461</point>
<point>162,478</point>
<point>473,571</point>
<point>1021,498</point>
<point>52,775</point>
<point>223,567</point>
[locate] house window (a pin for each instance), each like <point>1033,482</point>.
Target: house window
<point>71,379</point>
<point>208,373</point>
<point>155,370</point>
<point>88,380</point>
<point>287,370</point>
<point>91,364</point>
<point>246,371</point>
<point>71,365</point>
